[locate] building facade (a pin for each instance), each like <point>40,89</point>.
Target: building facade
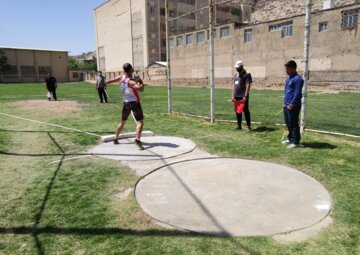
<point>265,34</point>
<point>135,31</point>
<point>266,46</point>
<point>32,65</point>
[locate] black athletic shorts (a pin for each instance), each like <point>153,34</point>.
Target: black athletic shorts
<point>135,107</point>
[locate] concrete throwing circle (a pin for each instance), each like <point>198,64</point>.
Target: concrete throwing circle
<point>235,197</point>
<point>156,147</point>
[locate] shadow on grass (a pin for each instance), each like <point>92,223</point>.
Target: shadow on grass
<point>56,131</point>
<point>317,145</point>
<point>264,129</point>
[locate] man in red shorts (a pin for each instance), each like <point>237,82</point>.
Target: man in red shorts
<point>129,88</point>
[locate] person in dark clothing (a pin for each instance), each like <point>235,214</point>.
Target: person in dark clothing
<point>241,90</point>
<point>51,85</point>
<point>292,104</point>
<point>101,86</point>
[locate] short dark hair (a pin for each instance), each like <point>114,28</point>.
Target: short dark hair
<point>291,64</point>
<point>127,67</point>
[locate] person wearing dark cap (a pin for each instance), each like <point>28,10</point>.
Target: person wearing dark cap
<point>241,90</point>
<point>292,104</point>
<point>129,88</point>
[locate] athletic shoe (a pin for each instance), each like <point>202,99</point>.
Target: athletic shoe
<point>238,128</point>
<point>248,128</point>
<point>116,141</point>
<point>286,142</point>
<point>139,144</point>
<point>293,146</point>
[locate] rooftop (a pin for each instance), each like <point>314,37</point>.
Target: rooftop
<point>20,48</point>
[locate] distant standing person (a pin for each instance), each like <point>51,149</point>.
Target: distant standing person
<point>241,90</point>
<point>292,104</point>
<point>129,88</point>
<point>100,86</point>
<point>51,85</point>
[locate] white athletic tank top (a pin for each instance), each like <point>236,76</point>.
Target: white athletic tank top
<point>128,92</point>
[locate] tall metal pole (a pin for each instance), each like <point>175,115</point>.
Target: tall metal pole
<point>168,55</point>
<point>212,69</point>
<point>132,35</point>
<point>306,64</point>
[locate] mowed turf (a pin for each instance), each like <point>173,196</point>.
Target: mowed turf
<point>49,206</point>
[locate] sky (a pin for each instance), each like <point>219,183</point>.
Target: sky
<point>49,24</point>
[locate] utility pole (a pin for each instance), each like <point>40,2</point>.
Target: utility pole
<point>306,64</point>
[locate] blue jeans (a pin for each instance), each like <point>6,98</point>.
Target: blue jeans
<point>292,123</point>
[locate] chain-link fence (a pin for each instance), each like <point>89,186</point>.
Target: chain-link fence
<point>265,35</point>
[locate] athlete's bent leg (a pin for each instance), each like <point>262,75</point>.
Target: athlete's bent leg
<point>139,128</point>
<point>119,129</point>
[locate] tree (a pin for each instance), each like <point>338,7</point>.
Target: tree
<point>73,63</point>
<point>91,65</point>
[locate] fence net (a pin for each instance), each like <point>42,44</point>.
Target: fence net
<point>265,35</point>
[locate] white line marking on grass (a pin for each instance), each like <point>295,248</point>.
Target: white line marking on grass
<point>50,124</point>
<point>57,161</point>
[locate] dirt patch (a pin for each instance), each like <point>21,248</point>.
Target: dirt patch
<point>49,106</point>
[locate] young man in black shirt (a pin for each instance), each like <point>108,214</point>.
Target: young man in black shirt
<point>241,90</point>
<point>51,85</point>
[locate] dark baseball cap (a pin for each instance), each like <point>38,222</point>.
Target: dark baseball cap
<point>291,64</point>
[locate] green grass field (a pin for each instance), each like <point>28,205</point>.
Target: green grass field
<point>334,112</point>
<point>71,207</point>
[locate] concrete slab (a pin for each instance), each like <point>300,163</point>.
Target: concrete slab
<point>144,167</point>
<point>234,197</point>
<point>156,148</point>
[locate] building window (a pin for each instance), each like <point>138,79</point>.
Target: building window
<point>171,42</point>
<point>323,26</point>
<point>224,32</point>
<point>276,27</point>
<point>350,19</point>
<point>248,35</point>
<point>10,70</point>
<point>162,27</point>
<point>189,39</point>
<point>200,37</point>
<point>163,42</point>
<point>162,11</point>
<point>44,70</point>
<point>287,29</point>
<point>28,70</point>
<point>75,75</point>
<point>179,41</point>
<point>152,10</point>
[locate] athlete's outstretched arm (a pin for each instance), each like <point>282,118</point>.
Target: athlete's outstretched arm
<point>113,80</point>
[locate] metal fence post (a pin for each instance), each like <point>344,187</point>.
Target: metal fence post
<point>306,64</point>
<point>211,73</point>
<point>168,67</point>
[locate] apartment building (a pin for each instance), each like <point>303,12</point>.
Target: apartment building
<point>135,31</point>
